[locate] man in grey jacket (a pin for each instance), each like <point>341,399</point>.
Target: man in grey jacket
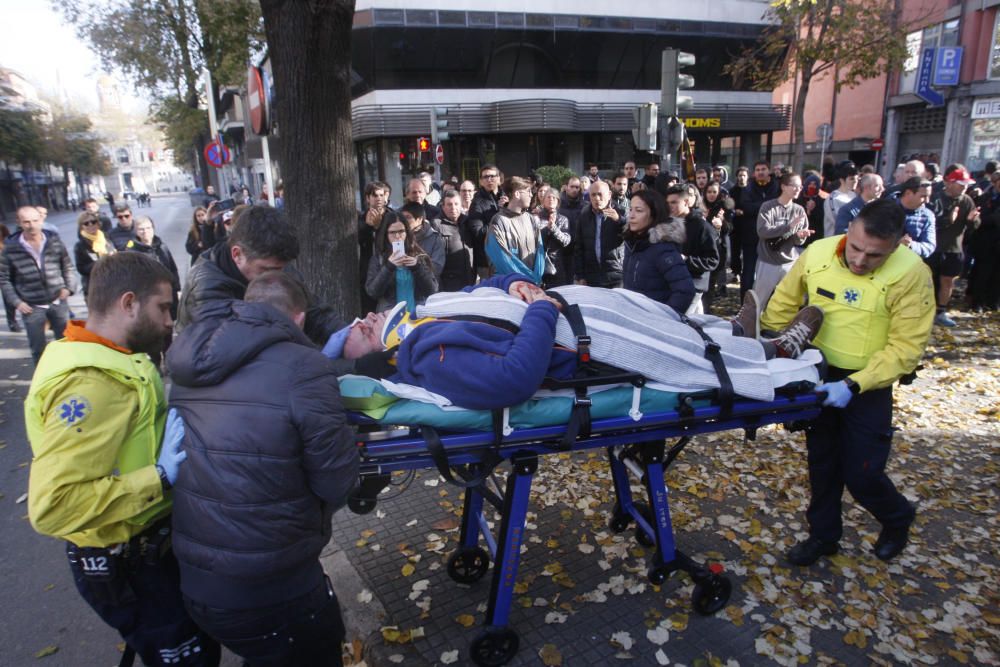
<point>37,276</point>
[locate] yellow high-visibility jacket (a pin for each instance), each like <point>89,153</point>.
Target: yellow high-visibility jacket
<point>877,324</point>
<point>95,420</point>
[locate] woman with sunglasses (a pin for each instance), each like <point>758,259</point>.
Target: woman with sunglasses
<point>92,245</point>
<point>399,270</point>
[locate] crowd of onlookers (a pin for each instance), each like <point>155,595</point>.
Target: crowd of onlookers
<point>669,238</point>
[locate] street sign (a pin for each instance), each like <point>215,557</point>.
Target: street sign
<point>924,75</point>
<point>824,132</point>
<point>947,66</point>
<point>877,144</point>
<point>439,154</point>
<point>217,154</point>
<point>260,120</point>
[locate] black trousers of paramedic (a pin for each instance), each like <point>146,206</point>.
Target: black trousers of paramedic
<point>304,632</point>
<point>143,603</point>
<point>850,447</point>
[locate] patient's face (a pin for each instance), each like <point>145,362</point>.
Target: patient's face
<point>364,336</point>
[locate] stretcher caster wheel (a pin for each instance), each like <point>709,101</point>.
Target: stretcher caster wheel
<point>656,575</point>
<point>711,594</point>
<point>640,535</point>
<point>467,566</point>
<point>493,648</point>
<point>619,521</point>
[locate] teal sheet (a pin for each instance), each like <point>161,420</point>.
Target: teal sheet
<point>368,396</point>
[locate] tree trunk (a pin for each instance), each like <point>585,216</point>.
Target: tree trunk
<point>798,119</point>
<point>310,50</point>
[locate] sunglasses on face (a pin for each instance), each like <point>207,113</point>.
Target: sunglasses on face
<point>89,223</point>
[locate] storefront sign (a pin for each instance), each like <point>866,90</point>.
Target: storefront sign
<point>702,123</point>
<point>987,107</point>
<point>947,66</point>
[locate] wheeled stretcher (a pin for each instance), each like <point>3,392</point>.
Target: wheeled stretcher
<point>635,444</point>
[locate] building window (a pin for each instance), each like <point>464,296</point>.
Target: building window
<point>939,34</point>
<point>122,156</point>
<point>995,50</point>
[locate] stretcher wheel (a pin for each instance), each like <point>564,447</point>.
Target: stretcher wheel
<point>467,566</point>
<point>493,648</point>
<point>640,535</point>
<point>711,594</point>
<point>656,575</point>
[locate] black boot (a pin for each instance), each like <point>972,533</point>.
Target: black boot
<point>808,552</point>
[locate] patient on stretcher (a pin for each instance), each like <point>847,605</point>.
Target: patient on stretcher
<point>493,345</point>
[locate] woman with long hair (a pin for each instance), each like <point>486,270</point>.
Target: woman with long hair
<point>399,269</point>
<point>201,235</point>
<point>91,246</point>
<point>656,269</point>
<point>719,213</point>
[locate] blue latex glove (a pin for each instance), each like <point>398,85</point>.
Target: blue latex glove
<point>334,347</point>
<point>171,454</point>
<point>838,394</point>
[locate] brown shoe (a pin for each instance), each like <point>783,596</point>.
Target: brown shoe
<point>747,320</point>
<point>791,340</point>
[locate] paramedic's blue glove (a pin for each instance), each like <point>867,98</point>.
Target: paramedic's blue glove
<point>838,394</point>
<point>334,347</point>
<point>171,454</point>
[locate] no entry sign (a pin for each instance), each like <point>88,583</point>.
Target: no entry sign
<point>439,154</point>
<point>217,154</point>
<point>877,144</point>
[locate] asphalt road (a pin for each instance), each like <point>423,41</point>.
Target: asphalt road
<point>43,607</point>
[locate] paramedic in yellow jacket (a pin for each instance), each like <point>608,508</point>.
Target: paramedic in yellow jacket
<point>100,479</point>
<point>877,298</point>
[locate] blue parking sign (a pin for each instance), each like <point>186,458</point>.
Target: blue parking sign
<point>948,65</point>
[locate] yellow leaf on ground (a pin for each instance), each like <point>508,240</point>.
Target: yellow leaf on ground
<point>465,620</point>
<point>408,569</point>
<point>47,651</point>
<point>550,655</point>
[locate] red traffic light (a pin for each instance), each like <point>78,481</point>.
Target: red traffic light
<point>424,145</point>
<point>402,156</point>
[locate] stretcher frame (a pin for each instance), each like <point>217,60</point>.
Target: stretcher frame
<point>634,444</point>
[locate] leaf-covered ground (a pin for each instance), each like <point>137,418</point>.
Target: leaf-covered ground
<point>582,594</point>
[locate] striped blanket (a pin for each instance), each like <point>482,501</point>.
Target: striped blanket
<point>631,332</point>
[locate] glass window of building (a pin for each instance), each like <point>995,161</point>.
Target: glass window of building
<point>908,80</point>
<point>995,50</point>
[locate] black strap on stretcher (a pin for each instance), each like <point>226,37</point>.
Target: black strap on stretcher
<point>579,423</point>
<point>713,352</point>
<point>468,479</point>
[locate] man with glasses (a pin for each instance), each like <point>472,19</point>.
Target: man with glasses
<point>124,231</point>
<point>485,204</point>
<point>37,276</point>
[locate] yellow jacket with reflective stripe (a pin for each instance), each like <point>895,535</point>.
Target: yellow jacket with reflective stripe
<point>95,420</point>
<point>876,324</point>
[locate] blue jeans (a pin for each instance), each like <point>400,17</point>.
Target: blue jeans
<point>56,314</point>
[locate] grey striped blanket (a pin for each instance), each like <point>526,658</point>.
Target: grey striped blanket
<point>631,332</point>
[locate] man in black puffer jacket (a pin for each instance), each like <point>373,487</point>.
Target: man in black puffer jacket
<point>270,457</point>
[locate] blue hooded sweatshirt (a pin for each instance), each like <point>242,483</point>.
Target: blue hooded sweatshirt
<point>483,366</point>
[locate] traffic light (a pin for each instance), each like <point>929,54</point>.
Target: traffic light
<point>439,124</point>
<point>672,80</point>
<point>644,133</point>
<point>423,145</point>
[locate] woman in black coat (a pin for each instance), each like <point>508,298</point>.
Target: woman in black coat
<point>656,269</point>
<point>91,247</point>
<point>147,242</point>
<point>201,236</point>
<point>719,213</point>
<point>399,273</point>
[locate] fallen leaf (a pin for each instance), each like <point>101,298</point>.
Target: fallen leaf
<point>466,620</point>
<point>449,657</point>
<point>408,569</point>
<point>550,655</point>
<point>47,651</point>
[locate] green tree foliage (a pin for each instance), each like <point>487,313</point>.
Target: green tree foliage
<point>852,39</point>
<point>555,175</point>
<point>22,137</point>
<point>162,46</point>
<point>72,143</point>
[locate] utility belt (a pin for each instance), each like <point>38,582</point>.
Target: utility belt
<point>106,570</point>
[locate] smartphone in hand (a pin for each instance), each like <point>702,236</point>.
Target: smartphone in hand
<point>398,248</point>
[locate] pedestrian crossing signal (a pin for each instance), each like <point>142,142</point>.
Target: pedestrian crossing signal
<point>424,145</point>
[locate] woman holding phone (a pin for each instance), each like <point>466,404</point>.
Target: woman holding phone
<point>399,269</point>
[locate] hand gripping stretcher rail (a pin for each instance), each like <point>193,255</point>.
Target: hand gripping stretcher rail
<point>635,443</point>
